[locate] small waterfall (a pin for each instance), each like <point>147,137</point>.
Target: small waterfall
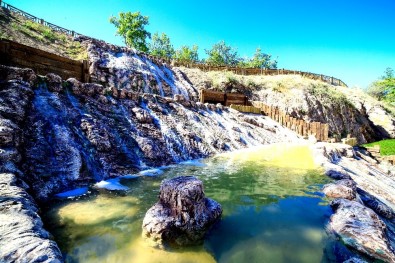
<point>127,142</point>
<point>171,139</point>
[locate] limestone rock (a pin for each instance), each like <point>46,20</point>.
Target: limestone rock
<point>183,214</point>
<point>347,182</point>
<point>142,115</point>
<point>336,173</point>
<point>376,205</point>
<point>11,73</point>
<point>54,82</point>
<point>339,191</point>
<point>22,236</point>
<point>361,228</point>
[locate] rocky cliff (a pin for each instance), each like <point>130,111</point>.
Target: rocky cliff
<point>57,134</point>
<point>348,111</point>
<point>22,236</point>
<point>75,133</point>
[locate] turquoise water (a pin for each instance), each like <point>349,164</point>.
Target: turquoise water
<point>272,212</point>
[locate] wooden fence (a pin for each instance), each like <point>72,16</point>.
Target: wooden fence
<point>248,109</point>
<point>266,72</point>
<point>42,62</point>
<point>225,99</point>
<point>302,127</point>
<point>201,66</point>
<point>241,103</point>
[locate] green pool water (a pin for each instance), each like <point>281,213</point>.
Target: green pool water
<point>272,212</point>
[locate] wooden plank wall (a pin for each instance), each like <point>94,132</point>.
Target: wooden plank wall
<point>42,62</point>
<point>303,128</point>
<point>248,109</point>
<point>225,99</point>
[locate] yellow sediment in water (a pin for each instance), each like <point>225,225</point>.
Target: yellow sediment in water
<point>107,228</point>
<point>102,217</point>
<point>297,156</point>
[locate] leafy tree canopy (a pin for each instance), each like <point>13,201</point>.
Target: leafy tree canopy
<point>131,26</point>
<point>259,60</point>
<point>384,88</point>
<point>160,46</point>
<point>222,55</point>
<point>187,54</point>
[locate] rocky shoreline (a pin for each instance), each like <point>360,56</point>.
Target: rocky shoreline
<point>22,235</point>
<point>363,200</point>
<point>57,134</point>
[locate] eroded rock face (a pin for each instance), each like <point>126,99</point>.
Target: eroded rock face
<point>361,228</point>
<point>183,214</point>
<point>339,191</point>
<point>22,236</point>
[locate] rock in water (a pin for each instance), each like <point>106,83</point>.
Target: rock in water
<point>361,228</point>
<point>182,215</point>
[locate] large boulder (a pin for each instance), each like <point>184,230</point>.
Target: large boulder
<point>362,229</point>
<point>183,214</point>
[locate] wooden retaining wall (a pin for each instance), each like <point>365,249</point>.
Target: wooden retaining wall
<point>42,62</point>
<point>225,99</point>
<point>301,127</point>
<point>247,109</point>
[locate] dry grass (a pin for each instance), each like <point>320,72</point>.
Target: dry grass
<point>22,30</point>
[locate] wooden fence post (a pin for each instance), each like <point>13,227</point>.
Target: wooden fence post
<point>85,72</point>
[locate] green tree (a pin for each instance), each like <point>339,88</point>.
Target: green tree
<point>160,46</point>
<point>260,60</point>
<point>131,27</point>
<point>384,88</point>
<point>222,55</point>
<point>187,54</point>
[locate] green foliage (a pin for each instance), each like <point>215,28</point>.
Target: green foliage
<point>160,46</point>
<point>259,60</point>
<point>32,25</point>
<point>49,34</point>
<point>384,88</point>
<point>328,95</point>
<point>387,147</point>
<point>187,54</point>
<point>131,26</point>
<point>222,55</point>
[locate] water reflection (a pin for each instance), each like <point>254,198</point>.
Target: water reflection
<point>272,213</point>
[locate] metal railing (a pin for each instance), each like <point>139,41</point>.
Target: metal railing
<point>39,20</point>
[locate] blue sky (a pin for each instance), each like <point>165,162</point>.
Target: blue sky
<point>353,40</point>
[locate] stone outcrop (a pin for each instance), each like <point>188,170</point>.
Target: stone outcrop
<point>346,110</point>
<point>130,70</point>
<point>22,236</point>
<point>183,214</point>
<point>339,191</point>
<point>360,228</point>
<point>358,222</point>
<point>76,133</point>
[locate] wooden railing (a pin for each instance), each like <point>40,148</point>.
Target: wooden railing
<point>42,62</point>
<point>265,72</point>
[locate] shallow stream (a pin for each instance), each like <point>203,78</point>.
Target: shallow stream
<point>272,212</point>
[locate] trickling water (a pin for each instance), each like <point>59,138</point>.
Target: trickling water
<point>272,213</point>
